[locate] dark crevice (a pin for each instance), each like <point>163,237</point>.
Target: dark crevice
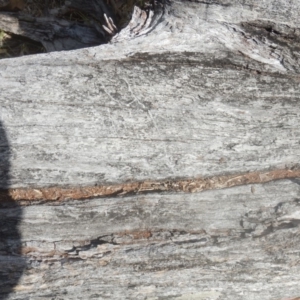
<point>281,34</point>
<point>269,220</point>
<point>107,239</point>
<point>66,25</point>
<point>209,2</point>
<point>297,181</point>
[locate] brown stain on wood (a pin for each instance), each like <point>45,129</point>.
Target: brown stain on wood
<point>27,195</point>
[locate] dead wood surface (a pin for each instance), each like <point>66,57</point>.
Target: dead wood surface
<point>163,165</point>
<point>228,244</point>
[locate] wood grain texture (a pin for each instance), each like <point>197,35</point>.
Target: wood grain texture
<point>171,117</point>
<point>207,89</point>
<point>230,98</point>
<point>226,244</point>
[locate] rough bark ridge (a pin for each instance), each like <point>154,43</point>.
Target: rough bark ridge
<point>182,135</point>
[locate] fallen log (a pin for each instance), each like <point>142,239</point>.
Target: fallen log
<point>164,164</point>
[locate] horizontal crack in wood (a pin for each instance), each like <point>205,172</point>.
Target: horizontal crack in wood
<point>25,195</point>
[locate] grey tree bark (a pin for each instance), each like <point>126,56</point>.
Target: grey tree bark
<point>163,165</point>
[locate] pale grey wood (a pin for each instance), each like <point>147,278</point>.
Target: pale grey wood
<point>201,89</point>
<point>152,116</point>
<point>226,244</point>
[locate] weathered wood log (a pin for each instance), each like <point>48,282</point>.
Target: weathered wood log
<point>164,165</point>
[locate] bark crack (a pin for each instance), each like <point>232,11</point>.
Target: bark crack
<point>266,220</point>
<point>27,196</point>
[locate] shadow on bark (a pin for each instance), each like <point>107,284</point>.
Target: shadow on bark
<point>12,264</point>
<point>38,27</point>
<point>45,27</point>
